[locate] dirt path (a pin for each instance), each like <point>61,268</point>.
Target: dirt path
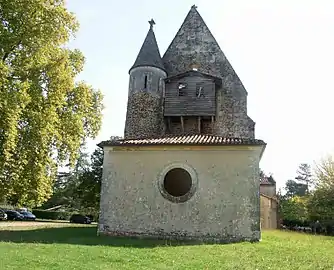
<point>33,224</point>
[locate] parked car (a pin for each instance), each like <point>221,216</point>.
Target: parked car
<point>28,215</point>
<point>3,215</point>
<point>14,215</point>
<point>77,218</point>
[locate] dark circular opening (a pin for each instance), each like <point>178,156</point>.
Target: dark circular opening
<point>177,182</point>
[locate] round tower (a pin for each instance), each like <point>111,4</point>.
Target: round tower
<point>144,117</point>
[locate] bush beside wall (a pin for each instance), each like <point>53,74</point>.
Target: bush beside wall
<point>59,215</point>
<point>53,215</point>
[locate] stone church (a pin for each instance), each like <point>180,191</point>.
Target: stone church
<point>188,165</point>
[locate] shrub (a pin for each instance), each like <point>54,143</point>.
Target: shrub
<point>53,215</point>
<point>7,206</point>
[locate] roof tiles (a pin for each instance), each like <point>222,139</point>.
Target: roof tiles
<point>183,140</point>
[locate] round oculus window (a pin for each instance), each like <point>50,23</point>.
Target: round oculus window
<point>178,184</point>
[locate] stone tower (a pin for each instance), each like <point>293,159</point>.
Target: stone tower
<point>144,116</point>
<point>192,89</point>
<point>195,48</point>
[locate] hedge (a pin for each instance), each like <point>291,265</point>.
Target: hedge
<point>58,215</point>
<point>53,215</point>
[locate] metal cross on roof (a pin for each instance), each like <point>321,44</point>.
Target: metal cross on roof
<point>151,22</point>
<point>194,6</point>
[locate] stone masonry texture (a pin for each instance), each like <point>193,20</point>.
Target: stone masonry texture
<point>145,108</point>
<point>219,210</point>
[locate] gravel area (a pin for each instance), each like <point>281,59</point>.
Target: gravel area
<point>32,224</point>
<point>39,224</point>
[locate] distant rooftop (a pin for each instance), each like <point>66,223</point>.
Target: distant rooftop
<point>267,180</point>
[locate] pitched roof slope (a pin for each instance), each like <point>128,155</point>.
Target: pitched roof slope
<point>149,54</point>
<point>194,46</point>
<point>199,139</point>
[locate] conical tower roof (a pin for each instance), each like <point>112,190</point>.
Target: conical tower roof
<point>149,54</point>
<point>194,46</point>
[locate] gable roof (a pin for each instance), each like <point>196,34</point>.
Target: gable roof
<point>149,54</point>
<point>195,46</point>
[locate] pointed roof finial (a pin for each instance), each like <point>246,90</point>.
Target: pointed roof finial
<point>151,22</point>
<point>149,54</point>
<point>194,6</point>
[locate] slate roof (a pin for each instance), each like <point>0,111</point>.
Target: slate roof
<point>195,46</point>
<point>199,139</point>
<point>149,54</point>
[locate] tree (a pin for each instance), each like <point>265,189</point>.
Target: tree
<point>293,188</point>
<point>45,116</point>
<point>294,209</point>
<point>321,204</point>
<point>80,189</point>
<point>305,176</point>
<point>89,187</point>
<point>66,184</point>
<point>325,174</point>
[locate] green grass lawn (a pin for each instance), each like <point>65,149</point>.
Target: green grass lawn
<point>68,246</point>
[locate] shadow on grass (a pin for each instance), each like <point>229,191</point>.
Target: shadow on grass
<point>81,236</point>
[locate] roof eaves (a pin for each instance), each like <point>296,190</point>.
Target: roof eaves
<point>180,75</point>
<point>269,197</point>
<point>190,140</point>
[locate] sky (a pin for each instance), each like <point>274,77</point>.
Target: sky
<point>282,50</point>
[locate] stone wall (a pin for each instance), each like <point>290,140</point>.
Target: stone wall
<point>218,211</point>
<point>269,190</point>
<point>269,213</point>
<point>207,126</point>
<point>144,117</point>
<point>232,119</point>
<point>190,125</point>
